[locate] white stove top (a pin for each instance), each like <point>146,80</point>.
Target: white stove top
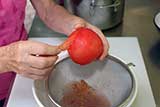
<point>126,48</point>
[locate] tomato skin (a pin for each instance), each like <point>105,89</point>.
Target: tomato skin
<point>86,47</point>
<point>66,44</point>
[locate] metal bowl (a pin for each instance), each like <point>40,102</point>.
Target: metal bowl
<point>115,79</point>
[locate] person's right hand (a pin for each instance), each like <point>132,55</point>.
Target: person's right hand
<point>31,59</point>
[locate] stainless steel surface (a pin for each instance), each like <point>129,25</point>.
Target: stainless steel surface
<point>104,14</point>
<point>137,21</point>
<point>112,77</point>
<point>157,20</point>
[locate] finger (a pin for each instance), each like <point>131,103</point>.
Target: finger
<point>79,25</point>
<point>104,41</point>
<point>41,62</point>
<point>49,72</point>
<point>104,54</point>
<point>39,48</point>
<point>105,48</point>
<point>22,68</point>
<point>35,77</point>
<point>66,44</point>
<point>25,69</point>
<point>40,72</point>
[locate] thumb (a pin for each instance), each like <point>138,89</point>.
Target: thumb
<point>79,25</point>
<point>38,48</point>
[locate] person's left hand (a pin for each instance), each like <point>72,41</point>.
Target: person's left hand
<point>78,22</point>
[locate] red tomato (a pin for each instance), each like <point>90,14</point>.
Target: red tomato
<point>65,45</point>
<point>84,46</point>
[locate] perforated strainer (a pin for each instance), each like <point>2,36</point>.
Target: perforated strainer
<point>112,77</point>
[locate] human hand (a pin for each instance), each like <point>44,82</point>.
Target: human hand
<point>30,59</point>
<point>78,22</point>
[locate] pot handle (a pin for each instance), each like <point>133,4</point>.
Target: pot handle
<point>115,5</point>
<point>91,8</point>
<point>131,64</point>
<point>93,5</point>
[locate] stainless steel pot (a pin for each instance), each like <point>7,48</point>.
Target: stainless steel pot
<point>104,14</point>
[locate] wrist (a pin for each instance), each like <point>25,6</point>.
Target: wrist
<point>3,66</point>
<point>6,57</point>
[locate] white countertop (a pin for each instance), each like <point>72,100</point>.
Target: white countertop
<point>126,48</point>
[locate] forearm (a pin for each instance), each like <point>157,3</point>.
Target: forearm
<point>55,16</point>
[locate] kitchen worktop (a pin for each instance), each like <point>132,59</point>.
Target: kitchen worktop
<point>138,21</point>
<point>127,50</point>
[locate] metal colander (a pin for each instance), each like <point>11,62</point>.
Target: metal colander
<point>112,77</point>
